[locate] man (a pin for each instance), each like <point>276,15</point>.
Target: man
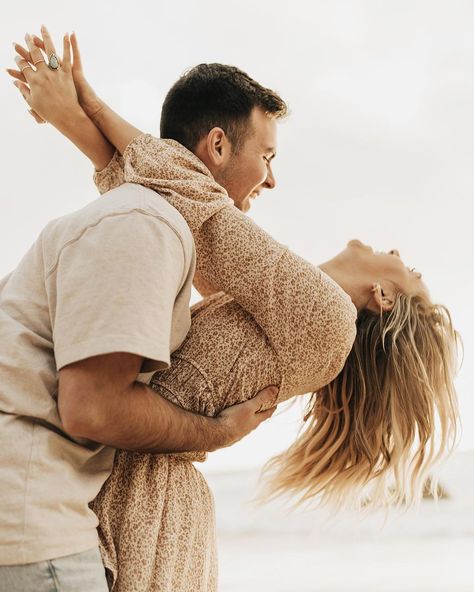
<point>102,295</point>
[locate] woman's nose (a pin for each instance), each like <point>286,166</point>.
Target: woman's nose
<point>394,252</point>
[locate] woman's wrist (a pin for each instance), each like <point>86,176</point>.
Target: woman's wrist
<point>116,129</point>
<point>94,110</point>
<point>82,131</point>
<point>72,121</point>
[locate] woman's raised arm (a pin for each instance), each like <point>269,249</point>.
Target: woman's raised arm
<point>52,97</point>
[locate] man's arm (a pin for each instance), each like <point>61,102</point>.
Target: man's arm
<point>99,399</point>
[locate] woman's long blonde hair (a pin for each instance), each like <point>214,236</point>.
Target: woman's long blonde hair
<point>369,435</point>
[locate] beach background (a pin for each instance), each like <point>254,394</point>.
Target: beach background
<point>379,146</point>
<point>427,549</point>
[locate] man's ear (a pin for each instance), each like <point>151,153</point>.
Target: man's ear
<point>218,147</point>
<point>214,150</point>
<point>381,298</point>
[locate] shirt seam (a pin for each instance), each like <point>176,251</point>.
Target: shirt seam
<point>90,226</point>
<point>27,481</point>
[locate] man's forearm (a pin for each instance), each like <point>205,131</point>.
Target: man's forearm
<point>100,399</point>
<point>140,419</point>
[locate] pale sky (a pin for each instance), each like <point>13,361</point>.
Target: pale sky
<point>379,144</point>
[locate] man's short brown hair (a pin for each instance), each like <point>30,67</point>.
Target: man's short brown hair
<point>215,95</point>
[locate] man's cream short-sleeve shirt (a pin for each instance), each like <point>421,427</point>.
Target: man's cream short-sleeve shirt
<point>114,276</point>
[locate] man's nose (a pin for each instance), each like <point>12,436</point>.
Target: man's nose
<point>269,182</point>
<point>394,252</point>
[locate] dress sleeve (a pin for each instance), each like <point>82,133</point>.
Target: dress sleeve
<point>111,176</point>
<point>308,319</point>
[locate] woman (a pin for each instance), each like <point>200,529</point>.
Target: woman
<point>380,362</point>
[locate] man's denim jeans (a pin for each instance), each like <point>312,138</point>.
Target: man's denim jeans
<point>81,572</point>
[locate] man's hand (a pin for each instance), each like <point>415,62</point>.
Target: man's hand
<point>238,421</point>
<point>98,399</point>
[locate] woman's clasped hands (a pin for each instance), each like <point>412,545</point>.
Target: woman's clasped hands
<point>54,89</point>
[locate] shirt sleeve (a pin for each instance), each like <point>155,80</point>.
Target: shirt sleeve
<point>113,290</point>
<point>308,319</point>
<point>111,176</point>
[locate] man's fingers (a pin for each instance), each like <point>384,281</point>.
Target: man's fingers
<point>265,398</point>
<point>263,415</point>
<point>76,53</point>
<point>16,74</point>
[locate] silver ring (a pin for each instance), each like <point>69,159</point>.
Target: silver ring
<point>53,62</point>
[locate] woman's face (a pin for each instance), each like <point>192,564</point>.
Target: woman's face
<point>385,267</point>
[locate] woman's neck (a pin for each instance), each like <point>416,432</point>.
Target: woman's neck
<point>349,281</point>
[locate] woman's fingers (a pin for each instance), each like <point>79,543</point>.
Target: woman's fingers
<point>39,42</point>
<point>23,88</point>
<point>47,41</point>
<point>76,53</point>
<point>35,115</point>
<point>25,91</point>
<point>37,58</point>
<point>25,68</point>
<point>16,74</point>
<point>22,52</point>
<point>66,53</point>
